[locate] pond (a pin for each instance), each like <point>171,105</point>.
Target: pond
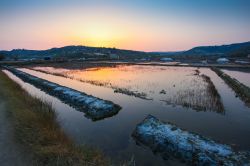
<point>197,111</point>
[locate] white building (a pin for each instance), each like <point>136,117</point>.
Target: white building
<point>204,62</point>
<point>222,60</point>
<point>242,62</point>
<point>167,59</point>
<point>114,56</point>
<point>99,54</point>
<point>82,59</point>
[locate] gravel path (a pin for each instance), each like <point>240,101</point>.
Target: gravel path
<point>10,153</point>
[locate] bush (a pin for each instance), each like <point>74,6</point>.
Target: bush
<point>2,57</point>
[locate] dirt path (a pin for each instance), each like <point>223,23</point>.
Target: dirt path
<point>10,152</point>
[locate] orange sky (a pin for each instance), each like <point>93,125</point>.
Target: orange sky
<point>136,25</point>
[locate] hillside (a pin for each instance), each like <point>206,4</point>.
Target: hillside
<point>77,52</point>
<point>238,49</point>
<point>72,52</point>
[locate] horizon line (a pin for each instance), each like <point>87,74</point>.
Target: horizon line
<point>123,48</point>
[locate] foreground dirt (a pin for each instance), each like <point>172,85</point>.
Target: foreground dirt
<point>10,152</point>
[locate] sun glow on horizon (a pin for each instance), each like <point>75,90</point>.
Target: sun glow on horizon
<point>99,34</point>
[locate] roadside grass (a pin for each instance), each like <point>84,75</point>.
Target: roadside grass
<point>37,130</point>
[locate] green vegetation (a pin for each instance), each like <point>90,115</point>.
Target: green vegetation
<point>1,57</point>
<point>240,89</point>
<point>242,52</point>
<point>36,129</point>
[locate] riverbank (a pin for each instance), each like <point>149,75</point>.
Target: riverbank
<point>36,129</point>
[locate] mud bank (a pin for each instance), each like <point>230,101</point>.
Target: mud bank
<point>93,107</point>
<point>240,89</point>
<point>170,141</point>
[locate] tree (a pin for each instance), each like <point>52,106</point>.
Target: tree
<point>15,57</point>
<point>1,57</point>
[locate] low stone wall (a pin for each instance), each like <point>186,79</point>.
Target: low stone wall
<point>93,107</point>
<point>170,141</point>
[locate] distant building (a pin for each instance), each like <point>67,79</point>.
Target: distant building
<point>144,59</point>
<point>114,56</point>
<point>222,60</point>
<point>204,62</point>
<point>242,62</point>
<point>166,59</point>
<point>248,55</point>
<point>82,59</point>
<point>99,54</point>
<point>33,59</point>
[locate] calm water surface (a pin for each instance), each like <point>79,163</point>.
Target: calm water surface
<point>113,135</point>
<point>243,77</point>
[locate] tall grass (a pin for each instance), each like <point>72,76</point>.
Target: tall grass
<point>37,130</point>
<point>200,95</point>
<point>214,94</point>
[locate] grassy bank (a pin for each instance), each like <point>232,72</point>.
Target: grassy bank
<point>240,89</point>
<point>37,130</point>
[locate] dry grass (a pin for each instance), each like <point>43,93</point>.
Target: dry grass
<point>214,94</point>
<point>201,95</point>
<point>37,130</point>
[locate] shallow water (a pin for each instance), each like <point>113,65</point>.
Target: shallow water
<point>113,135</point>
<point>171,85</point>
<point>243,77</point>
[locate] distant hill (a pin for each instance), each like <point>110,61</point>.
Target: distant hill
<point>241,52</point>
<point>76,52</point>
<point>168,53</point>
<point>72,52</point>
<point>236,50</point>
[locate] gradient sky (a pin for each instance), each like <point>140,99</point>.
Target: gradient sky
<point>148,25</point>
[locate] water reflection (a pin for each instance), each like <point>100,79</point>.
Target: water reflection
<point>94,108</point>
<point>243,77</point>
<point>171,85</point>
<point>113,135</point>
